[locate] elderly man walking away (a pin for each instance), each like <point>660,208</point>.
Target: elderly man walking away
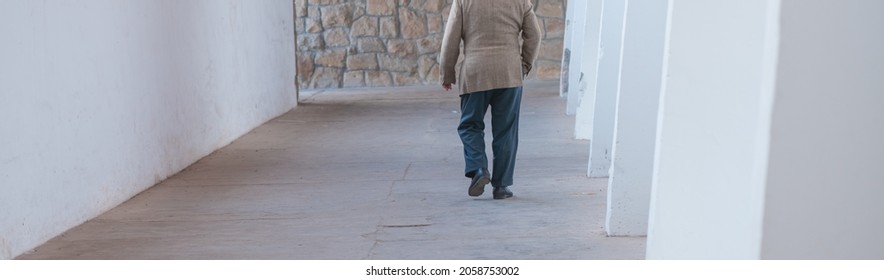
<point>495,62</point>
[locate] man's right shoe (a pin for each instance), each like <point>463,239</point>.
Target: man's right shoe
<point>502,193</point>
<point>477,185</point>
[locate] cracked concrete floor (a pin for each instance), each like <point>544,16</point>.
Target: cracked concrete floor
<point>364,174</point>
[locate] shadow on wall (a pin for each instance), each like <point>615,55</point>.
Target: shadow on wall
<point>376,43</point>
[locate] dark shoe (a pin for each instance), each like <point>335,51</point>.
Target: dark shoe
<point>480,179</point>
<point>502,192</point>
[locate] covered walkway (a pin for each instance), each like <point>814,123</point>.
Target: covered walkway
<point>365,174</point>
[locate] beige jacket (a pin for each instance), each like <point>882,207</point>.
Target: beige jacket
<point>493,55</point>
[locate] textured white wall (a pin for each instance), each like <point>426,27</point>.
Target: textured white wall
<point>635,128</point>
<point>102,99</point>
<point>708,191</point>
<point>825,181</point>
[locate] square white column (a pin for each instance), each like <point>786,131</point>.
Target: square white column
<point>635,130</point>
<point>576,21</point>
<point>826,169</point>
<point>586,80</point>
<point>714,121</point>
<point>613,14</point>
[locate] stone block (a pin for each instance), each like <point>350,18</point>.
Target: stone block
<point>551,50</point>
<point>445,12</point>
<point>416,4</point>
<point>365,27</point>
<point>300,8</point>
<point>433,77</point>
<point>366,61</point>
<point>354,79</point>
<point>411,24</point>
<point>431,44</point>
<point>337,37</point>
<point>396,64</point>
<point>389,27</point>
<point>380,7</point>
<point>370,45</point>
<point>554,28</point>
<point>299,26</point>
<point>424,63</point>
<point>405,79</point>
<point>336,16</point>
<point>548,70</point>
<point>401,48</point>
<point>313,12</point>
<point>308,42</point>
<point>430,6</point>
<point>313,25</point>
<point>325,77</point>
<point>434,24</point>
<point>550,8</point>
<point>331,58</point>
<point>305,67</point>
<point>358,12</point>
<point>378,79</point>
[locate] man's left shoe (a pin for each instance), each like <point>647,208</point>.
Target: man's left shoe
<point>502,193</point>
<point>477,185</point>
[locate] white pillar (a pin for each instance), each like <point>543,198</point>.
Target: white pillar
<point>588,65</point>
<point>714,121</point>
<point>566,53</point>
<point>576,22</point>
<point>629,186</point>
<point>608,85</point>
<point>769,139</point>
<point>826,170</point>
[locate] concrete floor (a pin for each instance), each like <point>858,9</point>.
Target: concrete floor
<point>365,174</point>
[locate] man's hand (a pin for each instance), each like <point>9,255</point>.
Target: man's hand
<point>446,86</point>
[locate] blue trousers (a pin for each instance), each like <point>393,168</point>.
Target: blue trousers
<point>505,105</point>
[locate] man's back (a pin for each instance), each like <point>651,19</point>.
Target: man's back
<point>492,24</point>
<point>491,31</point>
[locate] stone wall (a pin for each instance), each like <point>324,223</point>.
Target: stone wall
<point>371,43</point>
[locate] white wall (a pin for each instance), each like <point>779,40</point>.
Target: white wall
<point>635,129</point>
<point>825,181</point>
<point>714,122</point>
<point>604,106</point>
<point>102,99</point>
